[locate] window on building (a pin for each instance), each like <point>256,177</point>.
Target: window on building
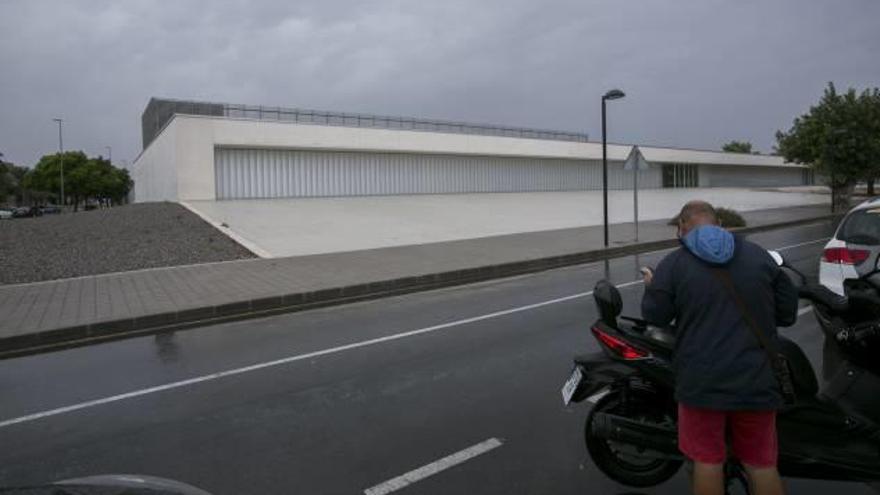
<point>809,177</point>
<point>680,175</point>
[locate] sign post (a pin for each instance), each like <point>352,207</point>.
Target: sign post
<point>636,162</point>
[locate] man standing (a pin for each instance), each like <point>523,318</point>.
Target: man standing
<point>724,380</point>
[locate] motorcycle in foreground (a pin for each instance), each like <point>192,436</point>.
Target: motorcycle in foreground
<point>829,434</point>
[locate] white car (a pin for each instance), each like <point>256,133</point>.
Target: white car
<point>854,249</point>
<point>5,214</point>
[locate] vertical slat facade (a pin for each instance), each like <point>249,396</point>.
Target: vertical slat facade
<point>733,176</point>
<point>269,173</point>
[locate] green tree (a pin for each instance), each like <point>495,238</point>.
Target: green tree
<point>46,176</point>
<point>84,178</point>
<point>737,147</point>
<point>119,185</point>
<point>8,184</point>
<point>102,180</point>
<point>872,100</point>
<point>12,181</point>
<point>839,137</point>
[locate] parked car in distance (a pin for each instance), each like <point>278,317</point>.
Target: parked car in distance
<point>854,250</point>
<point>50,209</point>
<point>5,214</point>
<point>26,211</point>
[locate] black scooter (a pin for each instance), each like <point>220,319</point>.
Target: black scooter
<point>830,434</point>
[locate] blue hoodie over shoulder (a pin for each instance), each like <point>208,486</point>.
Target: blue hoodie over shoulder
<point>711,244</point>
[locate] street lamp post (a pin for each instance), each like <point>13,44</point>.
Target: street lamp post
<point>614,94</point>
<point>109,154</point>
<point>61,159</point>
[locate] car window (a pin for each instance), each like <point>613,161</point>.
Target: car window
<point>862,227</point>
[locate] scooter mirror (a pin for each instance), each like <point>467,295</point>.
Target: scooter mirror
<point>608,301</point>
<point>777,257</point>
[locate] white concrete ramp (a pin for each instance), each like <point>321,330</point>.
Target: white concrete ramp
<point>296,227</point>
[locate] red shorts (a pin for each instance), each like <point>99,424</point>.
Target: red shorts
<point>702,436</point>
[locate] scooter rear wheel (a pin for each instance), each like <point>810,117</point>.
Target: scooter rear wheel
<point>614,461</point>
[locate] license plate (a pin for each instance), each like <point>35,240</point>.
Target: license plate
<point>571,385</point>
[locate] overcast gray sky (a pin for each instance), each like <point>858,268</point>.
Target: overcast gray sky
<point>697,73</point>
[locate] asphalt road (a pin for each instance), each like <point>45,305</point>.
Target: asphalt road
<point>343,399</point>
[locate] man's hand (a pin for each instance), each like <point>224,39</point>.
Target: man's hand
<point>647,275</point>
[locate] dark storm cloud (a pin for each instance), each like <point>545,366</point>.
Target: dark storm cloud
<point>697,73</point>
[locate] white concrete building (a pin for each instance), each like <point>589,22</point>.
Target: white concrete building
<point>206,151</point>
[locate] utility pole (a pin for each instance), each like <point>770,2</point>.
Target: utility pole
<point>61,159</point>
<point>109,154</point>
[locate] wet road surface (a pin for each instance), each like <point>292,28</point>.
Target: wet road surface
<point>340,400</point>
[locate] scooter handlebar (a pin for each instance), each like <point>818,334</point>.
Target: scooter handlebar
<point>819,294</point>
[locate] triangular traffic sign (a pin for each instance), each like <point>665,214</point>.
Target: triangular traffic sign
<point>635,160</point>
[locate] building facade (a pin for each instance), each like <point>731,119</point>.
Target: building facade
<point>210,151</point>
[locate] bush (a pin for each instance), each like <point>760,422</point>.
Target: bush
<point>730,218</point>
<point>727,217</point>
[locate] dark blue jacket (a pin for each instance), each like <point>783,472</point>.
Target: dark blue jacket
<point>719,362</point>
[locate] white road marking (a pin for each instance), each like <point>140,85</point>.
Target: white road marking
<point>805,310</point>
<point>310,355</point>
<point>433,468</point>
<point>292,359</point>
<point>815,241</point>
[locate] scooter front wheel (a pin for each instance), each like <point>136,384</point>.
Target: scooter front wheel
<point>624,463</point>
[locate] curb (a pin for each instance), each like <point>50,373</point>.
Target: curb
<point>75,336</point>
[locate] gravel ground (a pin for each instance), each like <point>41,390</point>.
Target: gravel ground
<point>131,237</point>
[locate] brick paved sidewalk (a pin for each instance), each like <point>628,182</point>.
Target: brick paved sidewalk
<point>45,314</point>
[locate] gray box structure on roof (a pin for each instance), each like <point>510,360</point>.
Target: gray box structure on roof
<point>160,110</point>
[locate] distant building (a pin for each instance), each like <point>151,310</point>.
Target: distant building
<point>206,151</point>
